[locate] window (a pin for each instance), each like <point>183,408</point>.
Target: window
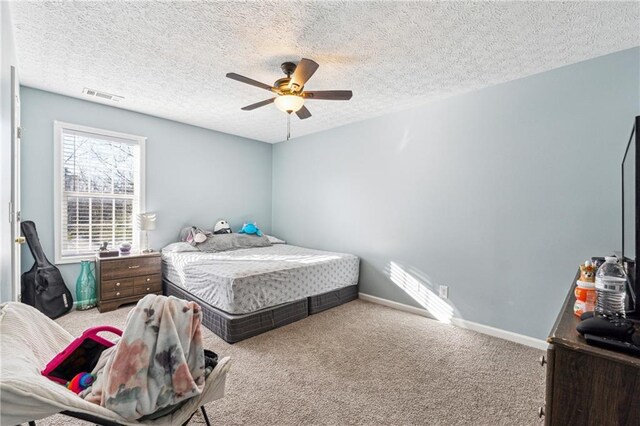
<point>99,189</point>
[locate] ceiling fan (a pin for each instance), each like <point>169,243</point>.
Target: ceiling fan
<point>290,89</point>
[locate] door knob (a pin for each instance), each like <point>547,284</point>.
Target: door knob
<point>20,240</point>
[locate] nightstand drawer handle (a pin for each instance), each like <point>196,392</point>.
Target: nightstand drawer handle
<point>148,279</point>
<point>118,294</point>
<point>148,288</point>
<point>134,266</point>
<point>117,284</point>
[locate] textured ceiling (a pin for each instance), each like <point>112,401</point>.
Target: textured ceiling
<point>169,59</point>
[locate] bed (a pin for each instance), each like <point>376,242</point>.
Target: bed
<point>249,291</point>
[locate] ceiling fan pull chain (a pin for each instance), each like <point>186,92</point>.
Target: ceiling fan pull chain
<point>288,126</point>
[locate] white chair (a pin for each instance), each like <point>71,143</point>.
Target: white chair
<point>29,340</point>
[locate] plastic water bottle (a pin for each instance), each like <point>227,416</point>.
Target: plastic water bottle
<point>611,281</point>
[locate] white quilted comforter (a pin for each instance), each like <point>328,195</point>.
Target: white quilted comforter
<point>244,281</point>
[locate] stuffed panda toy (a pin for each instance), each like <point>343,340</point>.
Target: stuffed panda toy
<point>222,227</point>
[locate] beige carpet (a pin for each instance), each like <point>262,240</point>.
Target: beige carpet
<point>366,364</point>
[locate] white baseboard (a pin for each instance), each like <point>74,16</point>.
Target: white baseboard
<point>462,323</point>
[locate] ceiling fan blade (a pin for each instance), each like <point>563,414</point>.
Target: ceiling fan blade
<point>247,80</point>
<point>303,113</point>
<point>304,71</point>
<point>329,95</point>
<point>258,104</point>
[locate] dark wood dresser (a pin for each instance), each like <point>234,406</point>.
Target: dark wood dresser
<point>587,385</point>
<point>127,279</point>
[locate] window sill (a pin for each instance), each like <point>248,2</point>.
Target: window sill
<point>75,259</point>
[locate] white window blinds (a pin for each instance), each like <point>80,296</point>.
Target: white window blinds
<point>100,189</point>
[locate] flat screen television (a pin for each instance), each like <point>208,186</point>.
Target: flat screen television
<point>631,216</point>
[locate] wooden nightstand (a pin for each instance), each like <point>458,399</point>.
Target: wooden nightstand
<point>127,279</point>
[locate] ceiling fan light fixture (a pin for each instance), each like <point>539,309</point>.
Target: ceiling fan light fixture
<point>289,103</point>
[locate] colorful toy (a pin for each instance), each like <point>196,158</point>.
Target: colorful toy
<point>222,227</point>
<point>80,382</point>
<point>195,236</point>
<point>81,355</point>
<point>250,228</point>
<point>587,272</point>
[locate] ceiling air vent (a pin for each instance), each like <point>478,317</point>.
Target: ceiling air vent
<point>102,95</point>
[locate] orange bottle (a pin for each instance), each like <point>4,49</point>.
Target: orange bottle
<point>585,297</point>
<point>585,289</point>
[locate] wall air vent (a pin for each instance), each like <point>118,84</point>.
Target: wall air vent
<point>102,95</point>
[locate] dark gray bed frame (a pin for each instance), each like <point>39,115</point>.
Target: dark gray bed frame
<point>234,328</point>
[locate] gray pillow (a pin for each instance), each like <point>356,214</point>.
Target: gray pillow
<point>225,242</point>
<point>275,240</point>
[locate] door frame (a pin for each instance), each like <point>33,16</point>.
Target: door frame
<point>16,238</point>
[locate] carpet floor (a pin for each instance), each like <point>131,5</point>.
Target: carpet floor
<point>365,364</point>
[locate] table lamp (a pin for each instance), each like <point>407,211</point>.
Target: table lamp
<point>146,223</point>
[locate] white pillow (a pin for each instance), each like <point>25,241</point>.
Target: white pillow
<point>179,247</point>
<point>274,240</point>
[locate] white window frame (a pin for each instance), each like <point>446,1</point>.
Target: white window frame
<point>58,128</point>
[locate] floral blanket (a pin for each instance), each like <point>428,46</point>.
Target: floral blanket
<point>158,361</point>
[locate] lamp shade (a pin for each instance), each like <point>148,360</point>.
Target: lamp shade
<point>147,221</point>
<point>289,103</point>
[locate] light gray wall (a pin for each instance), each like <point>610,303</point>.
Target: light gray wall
<point>498,193</point>
<point>193,175</point>
<point>7,60</point>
